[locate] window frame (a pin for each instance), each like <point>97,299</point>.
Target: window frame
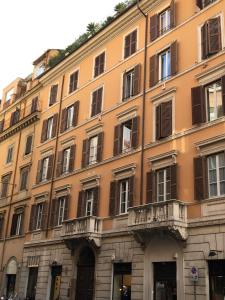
<point>61,210</point>
<point>124,42</point>
<point>168,27</point>
<point>78,77</point>
<point>89,201</point>
<point>166,193</point>
<point>217,169</point>
<point>166,51</point>
<point>31,146</point>
<point>22,171</point>
<point>44,175</point>
<point>10,152</point>
<point>66,158</point>
<point>121,192</point>
<point>49,128</point>
<point>94,64</point>
<point>214,101</point>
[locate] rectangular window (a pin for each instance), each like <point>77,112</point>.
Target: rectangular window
<point>163,185</point>
<point>163,117</point>
<point>9,95</point>
<point>24,173</point>
<point>66,160</point>
<point>39,216</point>
<point>130,42</point>
<point>9,155</point>
<point>122,281</point>
<point>16,228</point>
<point>44,169</point>
<point>93,149</point>
<point>216,174</point>
<point>164,65</point>
<point>214,100</point>
<point>128,84</point>
<point>28,146</point>
<point>53,94</point>
<point>5,185</point>
<point>164,21</point>
<point>203,3</point>
<point>127,135</point>
<point>89,195</point>
<point>49,128</point>
<point>99,64</point>
<point>124,195</point>
<point>70,115</point>
<point>73,82</point>
<point>96,105</point>
<point>34,105</point>
<point>15,117</point>
<point>61,209</point>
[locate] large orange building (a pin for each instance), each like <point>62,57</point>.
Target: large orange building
<point>113,167</point>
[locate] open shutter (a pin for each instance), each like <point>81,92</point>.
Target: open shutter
<point>72,158</point>
<point>153,70</point>
<point>124,85</point>
<point>137,79</point>
<point>59,164</point>
<point>223,93</point>
<point>166,119</point>
<point>113,198</point>
<point>134,140</point>
<point>44,224</point>
<point>53,212</point>
<point>63,120</point>
<point>172,14</point>
<point>96,201</point>
<point>28,144</point>
<point>173,49</point>
<point>44,131</point>
<point>198,105</point>
<point>214,35</point>
<point>133,46</point>
<point>94,104</point>
<point>33,217</point>
<point>66,207</point>
<point>102,63</point>
<point>131,192</point>
<point>54,125</point>
<point>53,94</point>
<point>204,40</point>
<point>150,187</point>
<point>38,176</point>
<point>117,140</point>
<point>100,146</point>
<point>199,3</point>
<point>14,224</point>
<point>50,167</point>
<point>76,113</point>
<point>173,182</point>
<point>85,153</point>
<point>158,122</point>
<point>154,27</point>
<point>127,46</point>
<point>200,178</point>
<point>99,101</point>
<point>81,205</point>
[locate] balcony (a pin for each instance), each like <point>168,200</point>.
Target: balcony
<point>169,216</point>
<point>86,229</point>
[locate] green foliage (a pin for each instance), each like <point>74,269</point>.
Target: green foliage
<point>120,7</point>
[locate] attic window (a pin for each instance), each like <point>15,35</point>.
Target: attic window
<point>9,95</point>
<point>39,70</point>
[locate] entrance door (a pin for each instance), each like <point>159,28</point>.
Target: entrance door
<point>55,282</point>
<point>85,275</point>
<point>217,279</point>
<point>11,282</point>
<point>32,283</point>
<point>165,282</point>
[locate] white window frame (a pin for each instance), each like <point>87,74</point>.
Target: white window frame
<point>124,148</point>
<point>18,223</point>
<point>61,210</point>
<point>166,12</point>
<point>131,87</point>
<point>70,115</point>
<point>215,101</point>
<point>66,160</point>
<point>89,201</point>
<point>217,175</point>
<point>126,195</point>
<point>40,208</point>
<point>49,128</point>
<point>164,182</point>
<point>92,159</point>
<point>168,52</point>
<point>45,163</point>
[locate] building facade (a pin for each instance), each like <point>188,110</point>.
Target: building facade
<point>113,167</point>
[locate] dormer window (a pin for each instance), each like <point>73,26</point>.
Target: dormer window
<point>9,95</point>
<point>39,70</point>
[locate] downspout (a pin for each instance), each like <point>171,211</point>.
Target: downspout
<point>143,104</point>
<point>55,157</point>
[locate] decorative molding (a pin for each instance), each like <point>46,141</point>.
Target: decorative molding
<point>90,182</point>
<point>163,160</point>
<point>127,114</point>
<point>94,130</point>
<point>124,172</point>
<point>165,94</point>
<point>69,141</point>
<point>211,74</point>
<point>212,145</point>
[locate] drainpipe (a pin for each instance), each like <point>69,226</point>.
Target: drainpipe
<point>143,104</point>
<point>55,157</point>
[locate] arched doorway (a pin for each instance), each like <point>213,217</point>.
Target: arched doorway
<point>85,275</point>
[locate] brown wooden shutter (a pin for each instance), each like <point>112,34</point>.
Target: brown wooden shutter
<point>96,72</point>
<point>204,40</point>
<point>53,212</point>
<point>214,35</point>
<point>33,217</point>
<point>174,61</point>
<point>63,120</point>
<point>2,125</point>
<point>28,144</point>
<point>134,139</point>
<point>137,79</point>
<point>200,178</point>
<point>199,3</point>
<point>166,119</point>
<point>133,46</point>
<point>223,93</point>
<point>1,225</point>
<point>72,158</point>
<point>14,224</point>
<point>81,204</point>
<point>154,70</point>
<point>39,167</point>
<point>124,85</point>
<point>94,104</point>
<point>198,105</point>
<point>150,187</point>
<point>172,14</point>
<point>50,167</point>
<point>59,163</point>
<point>127,46</point>
<point>85,152</point>
<point>76,113</point>
<point>100,146</point>
<point>22,223</point>
<point>44,224</point>
<point>117,140</point>
<point>44,131</point>
<point>99,100</point>
<point>66,208</point>
<point>158,122</point>
<point>154,27</point>
<point>131,181</point>
<point>173,182</point>
<point>53,94</point>
<point>96,201</point>
<point>34,105</point>
<point>113,207</point>
<point>54,125</point>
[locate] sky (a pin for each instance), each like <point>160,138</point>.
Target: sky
<point>28,28</point>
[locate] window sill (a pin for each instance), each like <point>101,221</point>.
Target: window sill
<point>213,199</point>
<point>15,237</point>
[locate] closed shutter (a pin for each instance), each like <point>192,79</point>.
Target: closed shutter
<point>134,140</point>
<point>21,223</point>
<point>133,42</point>
<point>223,93</point>
<point>59,164</point>
<point>85,152</point>
<point>113,207</point>
<point>66,208</point>
<point>173,49</point>
<point>150,187</point>
<point>94,104</point>
<point>173,182</point>
<point>2,125</point>
<point>73,81</point>
<point>44,224</point>
<point>54,125</point>
<point>200,178</point>
<point>204,40</point>
<point>81,205</point>
<point>96,66</point>
<point>117,140</point>
<point>34,105</point>
<point>100,146</point>
<point>154,27</point>
<point>99,101</point>
<point>53,212</point>
<point>53,94</point>
<point>198,105</point>
<point>1,225</point>
<point>131,181</point>
<point>124,85</point>
<point>72,158</point>
<point>127,46</point>
<point>76,113</point>
<point>14,224</point>
<point>158,122</point>
<point>96,201</point>
<point>63,120</point>
<point>214,35</point>
<point>44,131</point>
<point>50,167</point>
<point>33,217</point>
<point>153,70</point>
<point>199,3</point>
<point>102,63</point>
<point>172,14</point>
<point>137,79</point>
<point>39,167</point>
<point>28,144</point>
<point>166,119</point>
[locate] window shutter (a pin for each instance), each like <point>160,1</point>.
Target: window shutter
<point>134,140</point>
<point>85,153</point>
<point>137,79</point>
<point>200,178</point>
<point>33,217</point>
<point>172,14</point>
<point>150,187</point>
<point>38,171</point>
<point>34,105</point>
<point>50,167</point>
<point>54,125</point>
<point>72,158</point>
<point>154,27</point>
<point>204,40</point>
<point>2,125</point>
<point>44,131</point>
<point>44,224</point>
<point>21,223</point>
<point>199,3</point>
<point>131,191</point>
<point>81,204</point>
<point>124,84</point>
<point>214,35</point>
<point>117,140</point>
<point>59,164</point>
<point>102,63</point>
<point>153,70</point>
<point>99,101</point>
<point>63,120</point>
<point>96,73</point>
<point>14,223</point>
<point>76,113</point>
<point>66,208</point>
<point>96,201</point>
<point>53,94</point>
<point>166,119</point>
<point>113,206</point>
<point>53,212</point>
<point>158,122</point>
<point>174,61</point>
<point>223,93</point>
<point>127,46</point>
<point>198,105</point>
<point>1,225</point>
<point>28,144</point>
<point>173,182</point>
<point>100,146</point>
<point>94,104</point>
<point>133,47</point>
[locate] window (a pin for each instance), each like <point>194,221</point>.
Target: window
<point>24,173</point>
<point>39,70</point>
<point>44,168</point>
<point>53,94</point>
<point>216,278</point>
<point>122,281</point>
<point>44,171</point>
<point>126,136</point>
<point>164,21</point>
<point>40,208</point>
<point>216,174</point>
<point>49,128</point>
<point>163,185</point>
<point>92,150</point>
<point>69,116</point>
<point>38,216</point>
<point>61,201</point>
<point>130,42</point>
<point>211,37</point>
<point>88,202</point>
<point>1,224</point>
<point>65,162</point>
<point>131,82</point>
<point>59,210</point>
<point>163,65</point>
<point>28,146</point>
<point>34,105</point>
<point>16,227</point>
<point>124,190</point>
<point>73,82</point>
<point>99,64</point>
<point>163,124</point>
<point>203,3</point>
<point>96,105</point>
<point>208,102</point>
<point>15,117</point>
<point>5,184</point>
<point>9,155</point>
<point>9,95</point>
<point>2,125</point>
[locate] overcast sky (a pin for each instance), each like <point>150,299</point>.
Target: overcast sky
<point>28,28</point>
